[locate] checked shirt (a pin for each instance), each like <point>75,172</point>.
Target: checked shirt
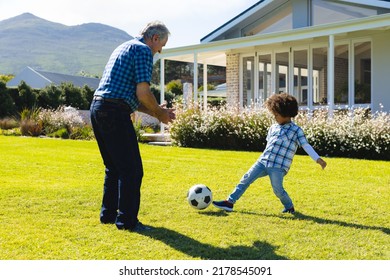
<point>130,63</point>
<point>282,144</point>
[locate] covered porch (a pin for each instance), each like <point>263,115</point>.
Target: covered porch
<point>304,62</point>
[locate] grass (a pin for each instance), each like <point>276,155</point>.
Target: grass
<point>50,194</point>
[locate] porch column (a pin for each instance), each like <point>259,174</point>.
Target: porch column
<point>195,77</point>
<point>331,75</point>
<point>162,87</point>
<point>205,87</point>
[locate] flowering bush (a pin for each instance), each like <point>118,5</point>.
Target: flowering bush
<point>60,118</point>
<point>221,128</point>
<point>357,134</point>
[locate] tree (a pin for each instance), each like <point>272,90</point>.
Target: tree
<point>87,94</point>
<point>72,96</point>
<point>50,97</point>
<point>7,106</point>
<point>27,97</point>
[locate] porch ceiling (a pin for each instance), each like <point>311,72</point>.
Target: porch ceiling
<point>214,53</point>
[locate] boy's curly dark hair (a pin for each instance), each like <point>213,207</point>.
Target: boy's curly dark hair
<point>283,104</point>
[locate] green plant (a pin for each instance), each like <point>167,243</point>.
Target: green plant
<point>8,123</point>
<point>7,106</point>
<point>11,132</point>
<point>358,134</point>
<point>30,124</point>
<point>175,86</point>
<point>61,133</point>
<point>221,128</point>
<point>62,117</point>
<point>82,133</point>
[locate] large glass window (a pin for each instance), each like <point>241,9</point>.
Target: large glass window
<point>279,19</point>
<point>300,76</point>
<point>331,11</point>
<point>265,70</point>
<point>320,68</point>
<point>341,74</point>
<point>309,79</point>
<point>362,58</point>
<point>248,78</point>
<point>281,72</point>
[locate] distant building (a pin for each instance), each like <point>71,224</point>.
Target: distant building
<point>39,79</point>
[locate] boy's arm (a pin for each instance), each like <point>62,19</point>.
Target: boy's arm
<point>310,151</point>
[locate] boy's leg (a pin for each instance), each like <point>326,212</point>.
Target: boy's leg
<point>256,171</point>
<point>276,176</point>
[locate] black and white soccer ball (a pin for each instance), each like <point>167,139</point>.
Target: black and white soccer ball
<point>199,196</point>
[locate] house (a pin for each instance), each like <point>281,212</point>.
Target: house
<point>39,79</point>
<point>327,53</point>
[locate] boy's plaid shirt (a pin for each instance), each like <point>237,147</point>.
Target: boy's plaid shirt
<point>282,144</point>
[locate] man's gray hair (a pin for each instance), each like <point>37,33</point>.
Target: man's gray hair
<point>155,28</point>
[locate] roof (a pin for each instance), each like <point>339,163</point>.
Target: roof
<point>40,79</point>
<point>214,53</point>
<point>268,6</point>
<point>244,13</point>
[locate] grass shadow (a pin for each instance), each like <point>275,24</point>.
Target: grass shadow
<point>301,216</point>
<point>191,247</point>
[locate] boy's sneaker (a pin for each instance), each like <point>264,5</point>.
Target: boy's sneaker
<point>291,210</point>
<point>224,205</point>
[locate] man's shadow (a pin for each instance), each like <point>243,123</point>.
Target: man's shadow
<point>191,247</point>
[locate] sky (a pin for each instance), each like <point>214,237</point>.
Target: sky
<point>187,20</point>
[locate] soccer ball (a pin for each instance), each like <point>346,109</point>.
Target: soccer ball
<point>199,196</point>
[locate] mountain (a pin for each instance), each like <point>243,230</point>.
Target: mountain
<point>27,40</point>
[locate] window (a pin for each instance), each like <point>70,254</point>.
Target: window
<point>300,76</point>
<point>279,19</point>
<point>362,77</point>
<point>328,11</point>
<point>248,78</point>
<point>281,72</point>
<point>319,80</point>
<point>265,70</point>
<point>341,74</point>
<point>270,71</point>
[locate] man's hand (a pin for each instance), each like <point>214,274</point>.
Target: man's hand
<point>150,106</point>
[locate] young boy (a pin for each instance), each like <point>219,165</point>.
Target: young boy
<point>283,140</point>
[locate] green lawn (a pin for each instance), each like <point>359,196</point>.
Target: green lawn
<point>50,193</point>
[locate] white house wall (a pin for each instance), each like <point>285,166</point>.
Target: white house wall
<point>381,72</point>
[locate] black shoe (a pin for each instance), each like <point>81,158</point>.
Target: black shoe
<point>224,205</point>
<point>140,227</point>
<point>291,210</point>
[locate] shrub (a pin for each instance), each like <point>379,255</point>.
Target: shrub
<point>30,124</point>
<point>175,86</point>
<point>11,132</point>
<point>359,134</point>
<point>61,133</point>
<point>62,117</point>
<point>8,123</point>
<point>220,128</point>
<point>82,133</point>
